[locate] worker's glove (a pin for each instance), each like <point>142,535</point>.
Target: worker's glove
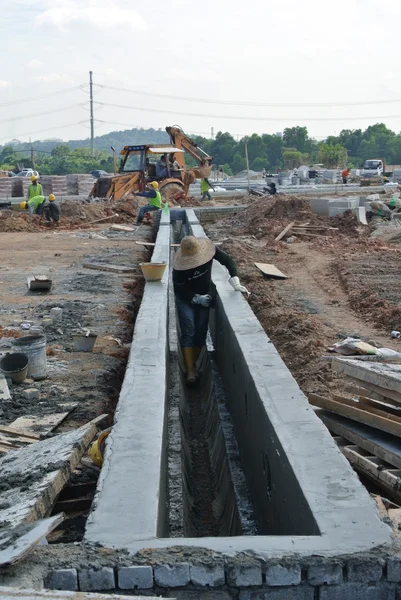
<point>204,300</point>
<point>235,283</point>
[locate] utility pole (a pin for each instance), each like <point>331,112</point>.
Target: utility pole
<point>247,162</point>
<point>91,113</point>
<point>33,159</point>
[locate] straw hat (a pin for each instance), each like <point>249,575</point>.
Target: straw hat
<point>193,253</point>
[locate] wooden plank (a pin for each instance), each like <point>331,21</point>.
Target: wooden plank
<point>370,388</point>
<point>37,473</point>
<point>109,268</point>
<point>357,414</point>
<point>310,234</point>
<point>126,228</point>
<point>388,481</point>
<point>18,433</point>
<point>11,593</point>
<point>380,444</point>
<point>270,270</point>
<point>99,420</point>
<point>16,543</point>
<point>380,505</point>
<point>360,391</point>
<point>285,230</point>
<point>371,406</point>
<point>14,441</point>
<point>386,376</point>
<point>41,424</point>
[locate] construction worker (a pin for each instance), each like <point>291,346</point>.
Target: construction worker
<point>161,168</point>
<point>50,209</point>
<point>191,278</point>
<point>155,202</point>
<point>205,186</point>
<point>35,189</point>
<point>35,204</point>
<point>345,175</point>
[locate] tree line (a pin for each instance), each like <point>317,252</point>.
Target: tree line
<point>294,147</point>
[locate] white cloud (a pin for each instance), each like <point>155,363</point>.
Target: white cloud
<point>34,63</point>
<point>192,74</point>
<point>102,14</point>
<point>4,84</point>
<point>56,78</point>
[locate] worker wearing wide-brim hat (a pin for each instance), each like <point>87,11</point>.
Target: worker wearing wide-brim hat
<point>192,275</point>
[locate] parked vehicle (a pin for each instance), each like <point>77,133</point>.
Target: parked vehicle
<point>27,173</point>
<point>96,173</point>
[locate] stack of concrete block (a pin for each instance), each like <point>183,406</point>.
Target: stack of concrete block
<point>16,187</point>
<point>26,182</point>
<point>5,187</point>
<point>59,185</point>
<point>80,184</point>
<point>46,183</point>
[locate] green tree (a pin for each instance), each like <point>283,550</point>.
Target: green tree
<point>296,137</point>
<point>332,155</point>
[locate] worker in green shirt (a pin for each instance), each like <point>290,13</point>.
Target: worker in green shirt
<point>35,205</point>
<point>205,186</point>
<point>35,189</point>
<point>155,200</point>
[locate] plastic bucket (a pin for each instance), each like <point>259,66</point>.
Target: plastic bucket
<point>34,346</point>
<point>153,271</point>
<point>15,366</point>
<point>84,343</point>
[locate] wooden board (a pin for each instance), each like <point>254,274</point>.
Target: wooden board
<point>386,376</point>
<point>41,425</point>
<point>361,415</point>
<point>38,472</point>
<point>380,444</point>
<point>109,268</point>
<point>15,432</point>
<point>270,270</point>
<point>285,230</point>
<point>375,469</point>
<point>126,228</point>
<point>16,543</point>
<point>374,390</point>
<point>11,593</point>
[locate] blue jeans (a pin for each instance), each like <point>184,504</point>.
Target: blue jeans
<point>143,210</point>
<point>194,321</point>
<point>206,194</point>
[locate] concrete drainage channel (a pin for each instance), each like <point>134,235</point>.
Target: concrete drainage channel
<point>268,506</point>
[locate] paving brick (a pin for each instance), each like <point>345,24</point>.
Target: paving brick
<point>172,576</point>
<point>357,591</point>
<point>300,592</point>
<point>329,574</point>
<point>211,576</point>
<point>365,571</point>
<point>63,579</point>
<point>277,575</point>
<point>31,394</point>
<point>96,580</point>
<point>130,578</point>
<point>244,575</point>
<point>201,595</point>
<point>394,570</point>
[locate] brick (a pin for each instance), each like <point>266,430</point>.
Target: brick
<point>63,579</point>
<point>277,575</point>
<point>96,580</point>
<point>130,578</point>
<point>357,591</point>
<point>300,592</point>
<point>365,571</point>
<point>394,570</point>
<point>329,574</point>
<point>201,595</point>
<point>172,576</point>
<point>211,576</point>
<point>244,575</point>
<point>31,394</point>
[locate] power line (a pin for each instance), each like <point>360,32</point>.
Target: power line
<point>239,103</point>
<point>31,98</point>
<point>238,118</point>
<point>50,129</point>
<point>41,114</point>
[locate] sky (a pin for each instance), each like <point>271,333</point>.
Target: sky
<point>239,56</point>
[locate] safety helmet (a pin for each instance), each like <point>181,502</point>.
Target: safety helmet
<point>154,185</point>
<point>23,204</point>
<point>96,451</point>
<point>52,197</point>
<point>34,178</point>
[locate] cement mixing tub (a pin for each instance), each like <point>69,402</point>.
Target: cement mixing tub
<point>34,346</point>
<point>15,366</point>
<point>84,343</point>
<point>153,271</point>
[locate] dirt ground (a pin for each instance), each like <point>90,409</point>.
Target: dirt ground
<point>343,283</point>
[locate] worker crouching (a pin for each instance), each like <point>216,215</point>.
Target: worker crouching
<point>192,275</point>
<point>155,200</point>
<point>44,207</point>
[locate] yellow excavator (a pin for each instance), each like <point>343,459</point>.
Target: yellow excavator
<point>140,164</point>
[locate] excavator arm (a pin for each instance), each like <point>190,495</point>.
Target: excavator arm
<point>183,142</point>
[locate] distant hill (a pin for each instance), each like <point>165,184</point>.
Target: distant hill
<point>118,139</point>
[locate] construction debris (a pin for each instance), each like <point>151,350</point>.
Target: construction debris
<point>270,271</point>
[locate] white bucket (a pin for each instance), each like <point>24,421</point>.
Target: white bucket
<point>34,346</point>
